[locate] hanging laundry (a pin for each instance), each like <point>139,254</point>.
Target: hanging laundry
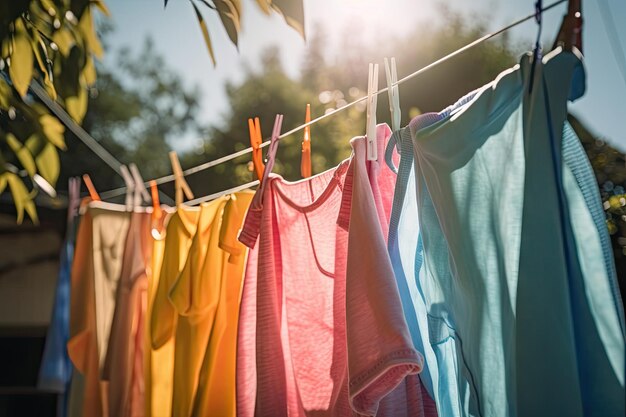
<point>95,275</point>
<point>505,338</point>
<point>371,291</point>
<point>179,232</point>
<point>299,329</point>
<point>246,374</point>
<point>216,387</point>
<point>203,321</point>
<point>123,367</point>
<point>55,371</point>
<point>405,244</point>
<point>158,363</point>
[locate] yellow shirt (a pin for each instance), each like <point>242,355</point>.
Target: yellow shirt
<point>216,392</point>
<point>194,306</point>
<point>202,310</point>
<point>169,257</point>
<point>158,364</point>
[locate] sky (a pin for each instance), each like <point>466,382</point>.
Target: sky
<point>177,37</point>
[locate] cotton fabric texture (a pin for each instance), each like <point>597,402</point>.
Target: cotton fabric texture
<point>519,323</point>
<point>95,274</point>
<point>308,339</point>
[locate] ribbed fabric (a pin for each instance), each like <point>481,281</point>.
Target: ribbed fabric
<point>406,240</point>
<point>330,335</point>
<point>575,157</point>
<point>520,314</point>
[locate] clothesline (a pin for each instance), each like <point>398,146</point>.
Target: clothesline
<point>168,178</point>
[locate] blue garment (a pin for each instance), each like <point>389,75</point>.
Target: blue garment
<point>55,371</point>
<point>515,324</point>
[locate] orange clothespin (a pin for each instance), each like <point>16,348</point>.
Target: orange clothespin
<point>92,190</point>
<point>254,126</point>
<point>179,180</point>
<point>305,163</point>
<point>157,212</point>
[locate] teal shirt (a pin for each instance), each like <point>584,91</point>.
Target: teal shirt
<point>521,318</point>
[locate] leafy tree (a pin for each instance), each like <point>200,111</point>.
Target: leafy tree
<point>229,12</point>
<point>53,42</point>
<point>137,107</point>
<point>328,86</point>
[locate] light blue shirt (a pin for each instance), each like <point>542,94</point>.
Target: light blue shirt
<point>515,306</point>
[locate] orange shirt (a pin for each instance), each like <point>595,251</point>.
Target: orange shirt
<point>216,391</point>
<point>95,274</point>
<point>124,364</point>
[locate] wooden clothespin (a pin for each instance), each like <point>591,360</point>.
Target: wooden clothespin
<point>141,193</point>
<point>271,153</point>
<point>305,162</point>
<point>179,180</point>
<point>254,127</point>
<point>130,187</point>
<point>571,30</point>
<point>92,190</point>
<point>73,198</point>
<point>157,212</point>
<point>372,101</point>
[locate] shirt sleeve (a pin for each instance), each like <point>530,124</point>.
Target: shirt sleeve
<point>251,227</point>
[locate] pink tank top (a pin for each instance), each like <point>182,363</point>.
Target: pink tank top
<point>321,330</point>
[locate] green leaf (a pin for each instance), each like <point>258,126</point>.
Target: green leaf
<point>230,18</point>
<point>293,12</point>
<point>64,40</point>
<point>205,32</point>
<point>5,94</point>
<point>21,68</point>
<point>3,182</point>
<point>76,105</point>
<point>236,4</point>
<point>86,27</point>
<point>23,154</point>
<point>265,6</point>
<point>21,198</point>
<point>46,158</point>
<point>53,130</point>
<point>207,4</point>
<point>39,46</point>
<point>89,72</point>
<point>103,7</point>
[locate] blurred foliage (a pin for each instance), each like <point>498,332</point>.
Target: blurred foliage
<point>609,166</point>
<point>229,12</point>
<point>53,42</point>
<point>330,82</point>
<point>138,106</point>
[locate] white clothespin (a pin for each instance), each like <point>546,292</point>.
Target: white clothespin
<point>372,101</point>
<point>141,194</point>
<point>130,187</point>
<point>393,91</point>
